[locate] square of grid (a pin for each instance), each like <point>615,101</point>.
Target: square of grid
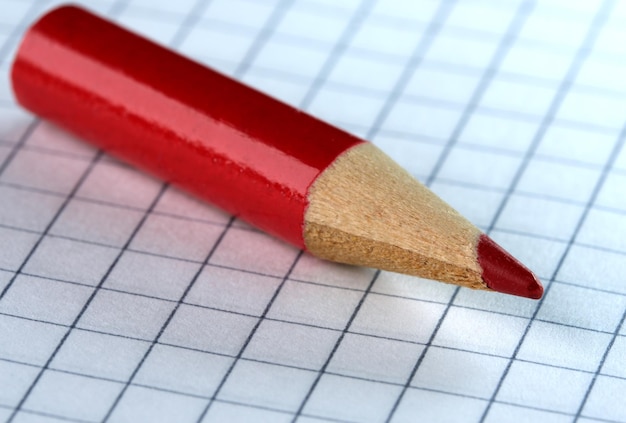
<point>99,355</point>
<point>614,363</point>
<point>620,161</point>
<point>232,412</point>
<point>334,398</point>
<point>16,379</point>
<point>461,51</point>
<point>456,372</point>
<point>517,97</point>
<point>21,244</point>
<point>175,202</point>
<point>182,370</point>
<point>71,261</point>
<point>177,7</point>
<point>6,93</point>
<point>314,305</point>
<point>291,344</point>
<point>544,387</point>
<point>540,255</point>
<point>529,60</point>
<point>566,33</point>
<point>267,385</point>
<point>480,331</point>
<point>280,54</point>
<point>563,303</point>
<point>540,216</point>
<point>482,168</point>
<point>441,407</point>
<point>14,11</point>
<point>378,359</point>
<point>376,36</point>
<point>345,106</point>
<point>410,12</point>
<point>476,204</point>
<point>416,156</point>
<point>612,192</point>
<point>558,180</point>
<point>43,299</point>
<point>563,346</point>
<point>5,278</point>
<point>14,123</point>
<point>33,342</point>
<point>606,400</point>
<point>442,85</point>
<point>397,318</point>
<point>486,300</point>
<point>592,108</point>
<point>567,143</point>
<point>153,276</point>
<point>608,40</point>
<point>312,269</point>
<point>203,329</point>
<point>225,45</point>
<point>510,413</point>
<point>490,18</point>
<point>126,315</point>
<point>491,130</point>
<point>5,150</point>
<point>411,287</point>
<point>239,12</point>
<point>49,172</point>
<point>26,209</point>
<point>97,223</point>
<point>594,268</point>
<point>144,404</point>
<point>422,119</point>
<point>116,183</point>
<point>365,73</point>
<point>161,31</point>
<point>232,290</point>
<point>72,396</point>
<point>176,237</point>
<point>47,136</point>
<point>254,252</point>
<point>299,23</point>
<point>289,90</point>
<point>604,228</point>
<point>602,74</point>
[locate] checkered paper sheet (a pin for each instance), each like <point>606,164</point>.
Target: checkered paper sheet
<point>123,300</point>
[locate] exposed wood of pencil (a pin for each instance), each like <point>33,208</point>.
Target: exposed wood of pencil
<point>366,210</point>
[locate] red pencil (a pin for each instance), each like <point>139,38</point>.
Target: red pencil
<point>274,166</point>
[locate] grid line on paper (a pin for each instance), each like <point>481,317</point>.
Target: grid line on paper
<point>248,403</point>
<point>579,58</point>
<point>55,217</point>
<point>486,78</point>
<point>183,30</point>
<point>343,333</point>
<point>360,14</point>
<point>597,373</point>
<point>83,309</point>
<point>415,60</point>
<point>215,396</point>
<point>514,27</point>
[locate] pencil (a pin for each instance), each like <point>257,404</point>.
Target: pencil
<point>282,170</point>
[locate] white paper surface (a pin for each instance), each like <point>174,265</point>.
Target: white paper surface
<point>122,299</point>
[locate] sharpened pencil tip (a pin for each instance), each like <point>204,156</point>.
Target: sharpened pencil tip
<point>503,273</point>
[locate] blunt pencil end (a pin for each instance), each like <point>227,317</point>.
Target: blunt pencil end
<point>503,273</point>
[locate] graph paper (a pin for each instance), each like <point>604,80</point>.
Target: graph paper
<point>123,299</point>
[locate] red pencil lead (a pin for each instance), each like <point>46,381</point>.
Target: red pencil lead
<point>503,273</point>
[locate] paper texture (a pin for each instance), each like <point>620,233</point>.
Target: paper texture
<point>124,300</point>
